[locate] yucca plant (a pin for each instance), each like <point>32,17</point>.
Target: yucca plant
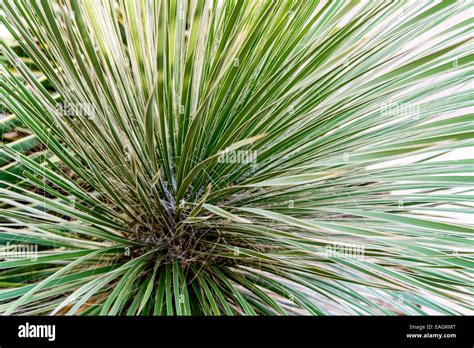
<point>237,158</point>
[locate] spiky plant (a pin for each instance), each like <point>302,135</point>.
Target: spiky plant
<point>237,157</point>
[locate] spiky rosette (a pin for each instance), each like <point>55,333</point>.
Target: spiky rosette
<point>236,157</point>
